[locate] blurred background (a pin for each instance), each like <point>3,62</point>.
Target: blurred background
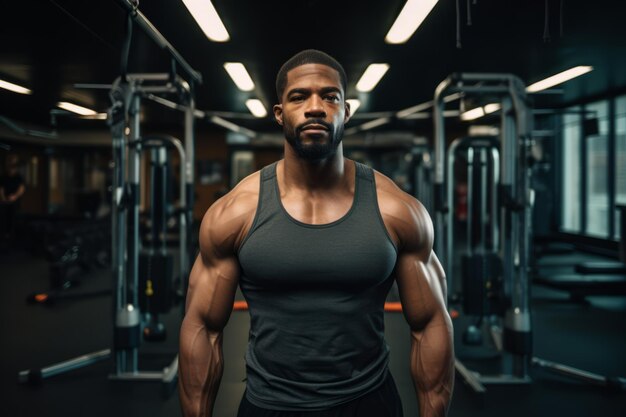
<point>121,122</point>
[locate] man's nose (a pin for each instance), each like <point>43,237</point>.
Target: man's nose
<point>315,107</point>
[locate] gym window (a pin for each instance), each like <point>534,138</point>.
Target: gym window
<point>620,159</point>
<point>593,168</point>
<point>596,134</point>
<point>570,209</point>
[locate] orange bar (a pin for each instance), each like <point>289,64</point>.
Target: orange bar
<point>41,298</point>
<point>240,305</point>
<point>395,307</point>
<point>390,307</point>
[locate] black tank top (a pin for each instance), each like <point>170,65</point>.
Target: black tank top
<point>316,297</point>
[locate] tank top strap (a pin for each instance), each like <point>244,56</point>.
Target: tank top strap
<point>267,191</point>
<point>364,172</point>
<point>266,206</point>
<point>366,186</point>
<point>268,172</point>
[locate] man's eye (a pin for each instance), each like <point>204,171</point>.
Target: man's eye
<point>297,98</point>
<point>332,98</point>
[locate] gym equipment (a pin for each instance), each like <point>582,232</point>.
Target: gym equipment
<point>423,164</point>
<point>622,241</point>
<point>606,278</point>
<point>480,266</point>
<point>510,196</point>
<point>393,306</point>
<point>79,247</point>
<point>52,297</point>
<point>126,96</point>
<point>74,248</point>
<point>515,202</point>
<point>582,286</point>
<point>610,383</point>
<point>155,263</point>
<point>600,268</point>
<point>125,219</point>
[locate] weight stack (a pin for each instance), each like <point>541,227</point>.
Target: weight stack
<point>155,296</point>
<point>480,272</point>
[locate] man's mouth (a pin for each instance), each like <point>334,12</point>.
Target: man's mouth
<point>314,128</point>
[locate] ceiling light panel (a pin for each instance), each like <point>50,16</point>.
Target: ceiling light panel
<point>372,75</point>
<point>473,114</point>
<point>83,111</point>
<point>240,76</point>
<point>558,78</point>
<point>256,107</point>
<point>491,108</point>
<point>410,18</point>
<point>479,112</point>
<point>354,105</point>
<point>207,18</point>
<point>14,87</point>
<point>96,116</point>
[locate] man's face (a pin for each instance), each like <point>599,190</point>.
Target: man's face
<point>313,111</point>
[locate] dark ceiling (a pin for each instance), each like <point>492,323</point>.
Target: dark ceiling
<point>50,45</point>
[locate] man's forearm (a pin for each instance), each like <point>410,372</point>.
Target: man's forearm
<point>432,367</point>
<point>201,367</point>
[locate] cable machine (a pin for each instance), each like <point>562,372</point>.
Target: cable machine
<point>511,242</point>
<point>126,94</point>
<point>500,201</point>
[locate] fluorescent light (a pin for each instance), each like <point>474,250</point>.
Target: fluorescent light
<point>371,77</point>
<point>473,114</point>
<point>354,104</point>
<point>83,111</point>
<point>96,116</point>
<point>412,15</point>
<point>558,78</point>
<point>240,76</point>
<point>374,123</point>
<point>14,87</point>
<point>207,18</point>
<point>480,111</point>
<point>256,107</point>
<point>491,108</point>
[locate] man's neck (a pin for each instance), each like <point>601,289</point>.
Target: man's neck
<point>314,176</point>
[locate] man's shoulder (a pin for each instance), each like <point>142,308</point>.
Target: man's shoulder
<point>402,213</point>
<point>227,221</point>
<point>239,201</point>
<point>392,198</point>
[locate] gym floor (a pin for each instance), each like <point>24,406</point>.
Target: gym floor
<point>587,336</point>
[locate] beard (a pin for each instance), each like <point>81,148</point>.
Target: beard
<point>316,151</point>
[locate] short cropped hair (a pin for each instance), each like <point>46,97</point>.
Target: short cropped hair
<point>308,56</point>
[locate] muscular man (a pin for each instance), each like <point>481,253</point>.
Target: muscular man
<point>315,241</point>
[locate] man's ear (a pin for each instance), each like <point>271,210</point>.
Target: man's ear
<point>348,113</point>
<point>278,113</point>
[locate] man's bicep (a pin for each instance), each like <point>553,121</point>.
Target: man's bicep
<point>215,273</point>
<point>212,288</point>
<point>436,270</point>
<point>420,288</point>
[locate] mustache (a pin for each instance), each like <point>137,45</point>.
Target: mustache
<point>320,122</point>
